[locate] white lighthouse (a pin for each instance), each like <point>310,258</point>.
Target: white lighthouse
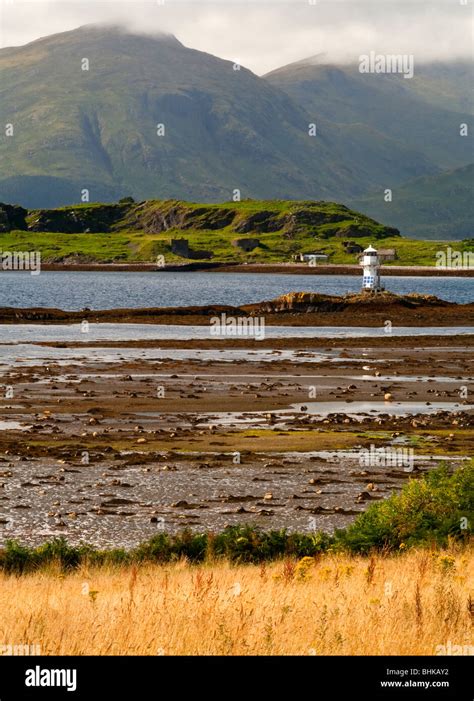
<point>371,263</point>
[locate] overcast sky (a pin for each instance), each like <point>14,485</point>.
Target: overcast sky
<point>264,34</point>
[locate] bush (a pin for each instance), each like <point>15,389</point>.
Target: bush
<point>427,511</point>
<point>15,558</point>
<point>430,510</point>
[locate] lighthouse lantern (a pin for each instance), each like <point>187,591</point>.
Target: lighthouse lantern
<point>371,264</point>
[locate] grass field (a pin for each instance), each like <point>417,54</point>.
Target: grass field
<point>130,233</point>
<point>135,247</point>
<point>407,604</point>
<point>399,580</point>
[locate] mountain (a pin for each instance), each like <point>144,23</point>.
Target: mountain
<point>437,207</point>
<point>422,114</point>
<point>446,85</point>
<point>225,129</point>
<point>97,128</point>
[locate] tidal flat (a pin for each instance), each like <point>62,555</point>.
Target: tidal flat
<point>110,442</point>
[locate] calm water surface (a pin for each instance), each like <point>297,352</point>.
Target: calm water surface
<point>35,333</point>
<point>106,290</point>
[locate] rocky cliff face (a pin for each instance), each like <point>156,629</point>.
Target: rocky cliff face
<point>75,220</point>
<point>12,217</point>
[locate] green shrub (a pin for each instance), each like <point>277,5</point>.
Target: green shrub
<point>426,511</point>
<point>15,558</point>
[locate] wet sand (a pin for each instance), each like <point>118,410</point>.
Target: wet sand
<point>114,442</point>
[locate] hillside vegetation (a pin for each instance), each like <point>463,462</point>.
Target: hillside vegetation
<point>431,207</point>
<point>420,116</point>
<point>141,232</point>
<point>152,118</point>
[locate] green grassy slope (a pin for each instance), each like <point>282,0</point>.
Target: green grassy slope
<point>140,232</point>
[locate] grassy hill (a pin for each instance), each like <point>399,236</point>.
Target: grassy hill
<point>140,232</point>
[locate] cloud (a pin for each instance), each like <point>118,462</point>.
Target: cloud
<point>263,35</point>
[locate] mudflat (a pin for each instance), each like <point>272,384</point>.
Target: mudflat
<point>110,442</point>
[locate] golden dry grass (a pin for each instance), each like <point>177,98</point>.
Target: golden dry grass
<point>406,604</point>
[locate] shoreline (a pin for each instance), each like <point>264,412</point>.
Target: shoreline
<point>304,309</point>
<point>262,268</point>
